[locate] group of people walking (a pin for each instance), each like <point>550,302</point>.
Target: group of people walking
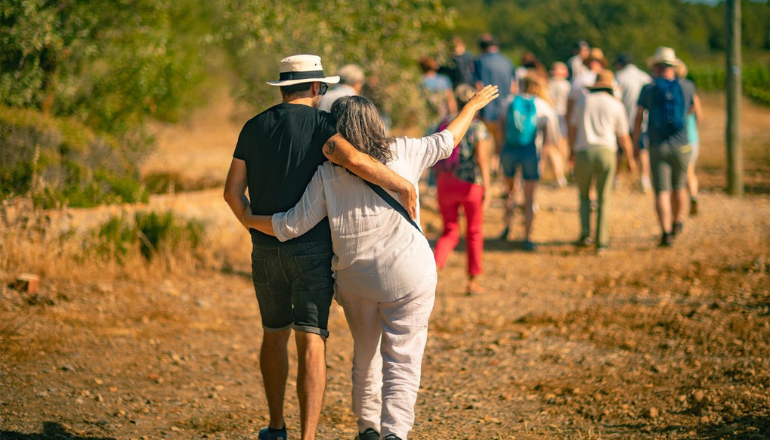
<point>333,208</point>
<point>579,119</point>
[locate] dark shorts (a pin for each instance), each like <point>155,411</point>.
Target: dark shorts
<point>526,158</point>
<point>669,166</point>
<point>294,285</point>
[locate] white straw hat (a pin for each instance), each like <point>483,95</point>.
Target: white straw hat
<point>298,69</point>
<point>663,55</point>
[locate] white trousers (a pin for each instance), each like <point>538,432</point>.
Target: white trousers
<point>388,342</point>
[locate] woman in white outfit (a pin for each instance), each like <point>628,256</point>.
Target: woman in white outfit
<point>385,274</point>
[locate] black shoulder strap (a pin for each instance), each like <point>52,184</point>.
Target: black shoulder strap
<point>393,202</point>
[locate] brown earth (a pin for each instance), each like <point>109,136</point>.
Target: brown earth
<point>639,343</point>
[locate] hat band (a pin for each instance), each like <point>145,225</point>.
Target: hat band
<point>287,76</point>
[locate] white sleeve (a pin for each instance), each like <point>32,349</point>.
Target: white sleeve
<point>307,213</point>
<point>430,149</point>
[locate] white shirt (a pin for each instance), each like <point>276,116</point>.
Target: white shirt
<point>558,91</point>
<point>577,66</point>
<point>378,255</point>
<point>599,119</point>
<point>334,94</point>
<point>631,79</point>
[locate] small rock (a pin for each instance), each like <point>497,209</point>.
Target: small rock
<point>652,413</point>
<point>698,396</point>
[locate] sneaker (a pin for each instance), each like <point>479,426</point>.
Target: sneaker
<point>585,241</point>
<point>602,249</point>
<point>693,206</point>
<point>272,434</point>
<point>369,434</point>
<point>391,437</point>
<point>666,240</point>
<point>677,229</point>
<point>529,246</point>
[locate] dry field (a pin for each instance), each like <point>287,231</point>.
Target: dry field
<point>640,343</point>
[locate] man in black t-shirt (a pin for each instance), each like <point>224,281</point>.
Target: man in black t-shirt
<point>277,154</point>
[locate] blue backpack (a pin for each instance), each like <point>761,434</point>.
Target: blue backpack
<point>521,125</point>
<point>667,115</point>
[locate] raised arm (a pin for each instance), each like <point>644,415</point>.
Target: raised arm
<point>460,124</point>
<point>235,188</point>
<point>341,152</point>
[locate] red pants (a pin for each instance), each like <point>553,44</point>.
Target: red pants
<point>452,193</point>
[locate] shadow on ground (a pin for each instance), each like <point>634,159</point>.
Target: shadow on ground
<point>51,431</point>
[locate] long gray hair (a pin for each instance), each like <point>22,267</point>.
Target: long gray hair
<point>359,121</point>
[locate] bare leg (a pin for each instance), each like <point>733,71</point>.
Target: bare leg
<point>311,380</point>
<point>274,363</point>
<point>529,212</point>
<point>644,161</point>
<point>663,208</point>
<point>678,203</point>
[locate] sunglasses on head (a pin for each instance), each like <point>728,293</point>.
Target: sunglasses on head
<point>324,87</point>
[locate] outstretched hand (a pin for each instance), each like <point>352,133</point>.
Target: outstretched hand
<point>484,97</point>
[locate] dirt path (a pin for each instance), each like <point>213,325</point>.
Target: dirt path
<point>640,343</point>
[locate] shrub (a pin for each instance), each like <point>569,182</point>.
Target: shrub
<point>150,233</point>
<point>755,80</point>
<point>59,162</point>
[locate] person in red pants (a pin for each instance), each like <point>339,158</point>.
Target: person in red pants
<point>463,180</point>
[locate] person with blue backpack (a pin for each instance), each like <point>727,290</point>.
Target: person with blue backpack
<point>528,124</point>
<point>667,101</point>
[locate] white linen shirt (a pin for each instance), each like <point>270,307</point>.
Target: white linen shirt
<point>631,79</point>
<point>378,255</point>
<point>599,119</point>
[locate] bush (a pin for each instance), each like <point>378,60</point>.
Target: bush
<point>755,81</point>
<point>59,162</point>
<point>149,234</point>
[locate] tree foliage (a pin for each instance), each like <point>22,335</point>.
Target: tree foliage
<point>109,63</point>
<point>385,37</point>
<point>550,28</point>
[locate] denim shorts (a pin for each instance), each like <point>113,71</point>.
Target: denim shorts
<point>294,285</point>
<point>526,158</point>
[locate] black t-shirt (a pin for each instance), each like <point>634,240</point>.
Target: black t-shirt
<point>282,148</point>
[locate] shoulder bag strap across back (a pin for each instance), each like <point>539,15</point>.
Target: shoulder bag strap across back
<point>393,203</point>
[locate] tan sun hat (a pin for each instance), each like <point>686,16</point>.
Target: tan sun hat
<point>604,80</point>
<point>298,69</point>
<point>663,55</point>
<point>595,54</point>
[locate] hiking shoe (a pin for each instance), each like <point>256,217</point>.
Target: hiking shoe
<point>677,229</point>
<point>504,235</point>
<point>666,241</point>
<point>272,434</point>
<point>391,437</point>
<point>369,434</point>
<point>529,246</point>
<point>584,241</point>
<point>693,206</point>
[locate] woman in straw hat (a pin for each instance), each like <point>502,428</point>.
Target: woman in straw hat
<point>385,275</point>
<point>600,125</point>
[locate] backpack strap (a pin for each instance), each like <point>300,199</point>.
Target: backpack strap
<point>393,203</point>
